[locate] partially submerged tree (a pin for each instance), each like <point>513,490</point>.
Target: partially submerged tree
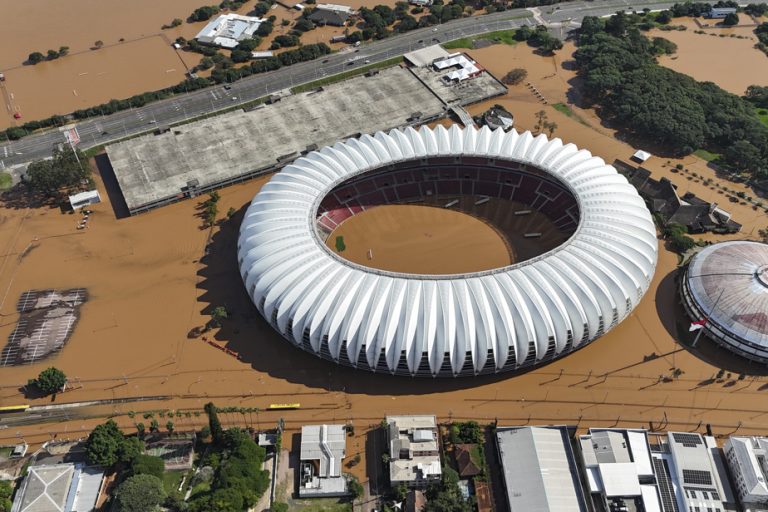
<point>51,380</point>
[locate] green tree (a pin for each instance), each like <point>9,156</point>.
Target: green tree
<point>35,57</point>
<point>103,444</point>
<point>169,427</point>
<point>129,448</point>
<point>66,170</point>
<point>140,493</point>
<point>63,50</point>
<point>731,19</point>
<point>52,55</point>
<point>355,488</point>
<point>218,315</point>
<point>51,380</point>
<point>147,465</point>
<point>204,13</point>
<point>140,429</point>
<point>6,491</point>
<point>515,76</point>
<point>278,506</point>
<point>154,426</point>
<point>217,434</point>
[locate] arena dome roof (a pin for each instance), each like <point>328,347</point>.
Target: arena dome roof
<point>727,284</point>
<point>503,319</point>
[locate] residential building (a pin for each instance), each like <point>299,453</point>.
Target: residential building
<point>691,466</point>
<point>227,30</point>
<point>540,473</point>
<point>59,487</point>
<point>746,457</point>
<point>720,12</point>
<point>619,471</point>
<point>661,196</point>
<point>467,465</point>
<point>330,16</point>
<point>323,447</point>
<point>414,450</point>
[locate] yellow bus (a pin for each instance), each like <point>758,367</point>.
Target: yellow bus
<point>278,407</point>
<point>13,408</point>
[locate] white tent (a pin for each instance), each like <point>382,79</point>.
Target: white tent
<point>641,155</point>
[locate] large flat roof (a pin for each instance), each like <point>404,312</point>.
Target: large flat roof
<point>539,470</point>
<point>154,168</point>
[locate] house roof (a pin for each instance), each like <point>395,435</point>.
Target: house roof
<point>415,501</point>
<point>326,17</point>
<point>466,466</point>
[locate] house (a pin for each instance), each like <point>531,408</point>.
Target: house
<point>323,448</point>
<point>747,459</point>
<point>415,501</point>
<point>414,452</point>
<point>464,462</point>
<point>720,12</point>
<point>331,17</point>
<point>661,196</point>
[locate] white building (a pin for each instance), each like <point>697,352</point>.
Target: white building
<point>539,469</point>
<point>228,30</point>
<point>336,8</point>
<point>746,457</point>
<point>59,487</point>
<point>414,452</point>
<point>691,466</point>
<point>460,65</point>
<point>619,470</point>
<point>323,448</point>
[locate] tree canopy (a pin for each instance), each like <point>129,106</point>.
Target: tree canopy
<point>661,106</point>
<point>51,380</point>
<point>66,170</point>
<point>106,445</point>
<point>140,493</point>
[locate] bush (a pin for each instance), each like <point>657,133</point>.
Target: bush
<point>147,465</point>
<point>204,13</point>
<point>35,58</point>
<point>731,19</point>
<point>515,76</point>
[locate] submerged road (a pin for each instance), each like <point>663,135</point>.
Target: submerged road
<point>102,130</point>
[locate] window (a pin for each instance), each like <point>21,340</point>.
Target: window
<point>715,496</point>
<point>706,495</point>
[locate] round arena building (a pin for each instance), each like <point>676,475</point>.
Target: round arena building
<point>584,247</point>
<point>725,290</point>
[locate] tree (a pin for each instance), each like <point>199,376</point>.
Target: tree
<point>354,488</point>
<point>204,13</point>
<point>103,444</point>
<point>140,429</point>
<point>140,493</point>
<point>154,426</point>
<point>550,127</point>
<point>663,46</point>
<point>217,434</point>
<point>763,234</point>
<point>52,55</point>
<point>278,506</point>
<point>51,380</point>
<point>169,427</point>
<point>147,465</point>
<point>219,314</point>
<point>515,76</point>
<point>731,19</point>
<point>66,170</point>
<point>35,57</point>
<point>129,448</point>
<point>63,50</point>
<point>6,491</point>
<point>541,121</point>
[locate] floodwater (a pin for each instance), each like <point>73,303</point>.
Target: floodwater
<point>420,239</point>
<point>733,64</point>
<point>90,78</point>
<point>153,278</point>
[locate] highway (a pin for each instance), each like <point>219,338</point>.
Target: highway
<point>102,130</point>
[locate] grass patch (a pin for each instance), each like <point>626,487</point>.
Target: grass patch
<point>340,246</point>
<point>568,111</point>
<point>6,181</point>
<point>332,79</point>
<point>200,488</point>
<point>171,480</point>
<point>500,36</point>
<point>706,155</point>
<point>762,113</point>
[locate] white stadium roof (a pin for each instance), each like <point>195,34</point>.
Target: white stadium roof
<point>527,313</point>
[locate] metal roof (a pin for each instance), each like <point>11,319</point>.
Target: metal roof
<point>729,283</point>
<point>531,311</point>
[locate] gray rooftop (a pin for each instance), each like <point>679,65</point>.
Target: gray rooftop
<point>58,488</point>
<point>326,443</point>
<point>154,168</point>
<point>540,474</point>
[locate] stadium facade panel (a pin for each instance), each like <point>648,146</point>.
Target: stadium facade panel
<point>499,320</point>
<point>725,289</point>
